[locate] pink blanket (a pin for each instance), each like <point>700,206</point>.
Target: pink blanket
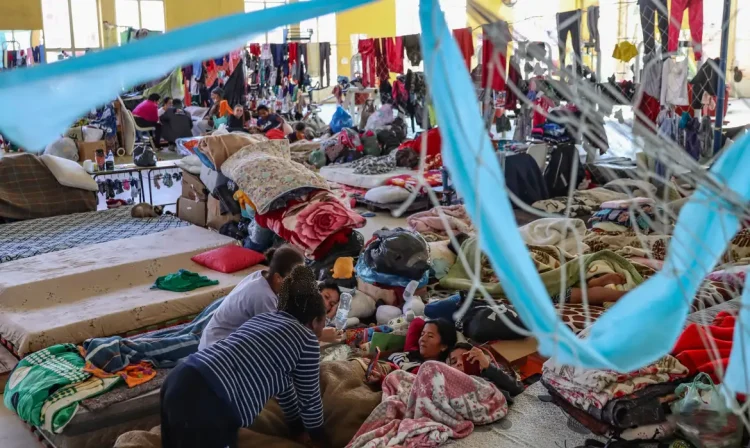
<point>427,409</point>
<point>430,222</point>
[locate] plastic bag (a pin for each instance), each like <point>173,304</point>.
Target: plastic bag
<point>317,158</point>
<point>65,147</point>
<point>700,395</point>
<point>341,119</point>
<point>398,252</point>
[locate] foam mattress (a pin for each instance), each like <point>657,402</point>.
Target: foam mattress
<point>105,289</point>
<point>344,174</point>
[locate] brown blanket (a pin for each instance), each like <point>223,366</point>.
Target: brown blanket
<point>347,402</point>
<point>28,190</point>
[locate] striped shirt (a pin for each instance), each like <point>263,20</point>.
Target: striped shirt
<point>270,355</point>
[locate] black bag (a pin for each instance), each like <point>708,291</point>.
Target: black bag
<point>398,252</point>
<point>144,156</point>
<point>388,140</point>
<point>482,324</point>
<point>559,171</point>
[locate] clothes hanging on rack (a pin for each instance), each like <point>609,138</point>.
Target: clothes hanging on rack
<point>592,18</point>
<point>706,81</point>
<point>695,18</point>
<point>569,22</point>
<point>313,59</point>
<point>395,54</point>
<point>465,43</point>
<point>381,62</point>
<point>366,48</point>
<point>674,83</point>
<point>325,62</point>
<point>496,37</point>
<point>654,13</point>
<point>413,49</point>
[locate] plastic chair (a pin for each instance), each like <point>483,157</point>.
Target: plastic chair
<point>148,130</point>
<point>539,153</point>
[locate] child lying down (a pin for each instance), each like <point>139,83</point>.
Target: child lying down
<point>599,290</point>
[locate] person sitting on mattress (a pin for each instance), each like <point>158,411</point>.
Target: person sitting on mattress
<point>215,392</point>
<point>509,385</point>
<point>255,294</point>
<point>268,120</point>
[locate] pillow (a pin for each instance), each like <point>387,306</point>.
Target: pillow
<point>442,258</point>
<point>69,173</point>
<point>387,194</point>
<point>229,259</point>
<point>218,148</point>
<point>363,306</point>
<point>413,334</point>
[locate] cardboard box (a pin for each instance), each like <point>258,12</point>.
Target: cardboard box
<point>193,188</point>
<point>516,351</point>
<point>87,150</point>
<point>193,212</point>
<point>214,218</point>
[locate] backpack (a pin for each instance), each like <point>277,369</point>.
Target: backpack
<point>559,170</point>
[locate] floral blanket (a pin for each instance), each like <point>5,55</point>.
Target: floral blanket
<point>427,409</point>
<point>582,202</point>
<point>308,222</point>
<point>430,221</point>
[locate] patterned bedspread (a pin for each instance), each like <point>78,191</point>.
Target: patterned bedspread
<point>25,239</point>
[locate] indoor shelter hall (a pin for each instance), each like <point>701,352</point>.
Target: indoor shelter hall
<point>371,223</point>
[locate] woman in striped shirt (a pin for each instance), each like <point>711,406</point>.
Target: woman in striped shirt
<point>217,391</point>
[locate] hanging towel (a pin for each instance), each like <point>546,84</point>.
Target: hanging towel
<point>182,281</point>
<point>313,59</point>
<point>394,48</point>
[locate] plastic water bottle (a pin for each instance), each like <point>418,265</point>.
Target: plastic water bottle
<point>110,161</point>
<point>412,307</point>
<point>345,304</point>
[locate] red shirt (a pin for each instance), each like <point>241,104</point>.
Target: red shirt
<point>148,110</point>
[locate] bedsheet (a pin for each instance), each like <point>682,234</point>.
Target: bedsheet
<point>25,239</point>
<point>105,289</point>
<point>344,174</point>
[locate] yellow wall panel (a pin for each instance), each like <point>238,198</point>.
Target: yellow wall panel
<point>20,15</point>
<point>179,13</point>
<point>375,20</point>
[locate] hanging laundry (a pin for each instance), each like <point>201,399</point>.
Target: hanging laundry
<point>706,81</point>
<point>313,59</point>
<point>381,61</point>
<point>325,62</point>
<point>255,49</point>
<point>592,18</point>
<point>496,37</point>
<point>654,13</point>
<point>413,49</point>
<point>395,54</point>
<point>674,90</point>
<point>625,51</point>
<point>465,42</point>
<point>695,18</point>
<point>366,49</point>
<point>569,22</point>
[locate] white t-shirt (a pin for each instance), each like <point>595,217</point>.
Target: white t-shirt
<point>252,296</point>
<point>674,83</point>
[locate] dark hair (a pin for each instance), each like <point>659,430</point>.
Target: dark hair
<point>460,238</point>
<point>154,97</point>
<point>176,103</point>
<point>300,126</point>
<point>262,107</point>
<point>218,91</point>
<point>299,296</point>
<point>462,345</point>
<point>329,284</point>
<point>447,331</point>
<point>283,259</point>
<point>166,100</point>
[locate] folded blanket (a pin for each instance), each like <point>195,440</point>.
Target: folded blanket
<point>564,233</point>
<point>582,202</point>
<point>427,409</point>
<point>219,148</point>
<point>628,203</point>
<point>162,348</point>
<point>430,221</point>
<point>265,172</point>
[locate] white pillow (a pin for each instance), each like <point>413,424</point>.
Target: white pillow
<point>387,194</point>
<point>363,306</point>
<point>69,173</point>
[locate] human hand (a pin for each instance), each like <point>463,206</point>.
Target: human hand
<point>330,334</point>
<point>477,355</point>
<point>376,377</point>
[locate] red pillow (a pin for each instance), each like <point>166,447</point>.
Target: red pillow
<point>229,259</point>
<point>413,334</point>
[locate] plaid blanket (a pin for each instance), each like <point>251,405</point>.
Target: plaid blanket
<point>427,409</point>
<point>162,348</point>
<point>28,190</point>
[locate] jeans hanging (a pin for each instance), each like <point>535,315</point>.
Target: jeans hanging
<point>325,63</point>
<point>593,23</point>
<point>569,22</point>
<point>648,9</point>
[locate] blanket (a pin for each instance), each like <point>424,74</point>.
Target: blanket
<point>266,172</point>
<point>309,221</point>
<point>430,222</point>
<point>582,202</point>
<point>564,233</point>
<point>162,348</point>
<point>219,148</point>
<point>706,348</point>
<point>347,401</point>
<point>427,409</point>
<point>28,190</point>
<point>601,262</point>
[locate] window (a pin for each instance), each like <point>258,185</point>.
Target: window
<point>407,15</point>
<point>70,25</point>
<point>275,36</point>
<point>139,14</point>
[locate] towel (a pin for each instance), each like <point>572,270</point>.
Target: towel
<point>564,233</point>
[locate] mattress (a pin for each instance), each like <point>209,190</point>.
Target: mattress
<point>105,289</point>
<point>34,237</point>
<point>343,174</point>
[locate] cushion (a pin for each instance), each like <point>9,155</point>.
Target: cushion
<point>413,334</point>
<point>363,306</point>
<point>69,173</point>
<point>229,259</point>
<point>218,148</point>
<point>387,194</point>
<point>441,258</point>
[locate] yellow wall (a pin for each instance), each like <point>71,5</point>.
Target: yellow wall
<point>179,13</point>
<point>375,20</point>
<point>20,15</point>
